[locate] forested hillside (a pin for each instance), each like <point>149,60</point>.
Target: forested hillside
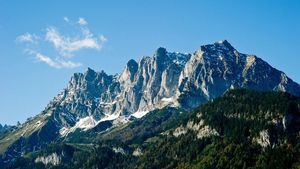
<point>241,129</point>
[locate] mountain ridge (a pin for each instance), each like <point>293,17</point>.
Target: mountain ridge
<point>166,79</point>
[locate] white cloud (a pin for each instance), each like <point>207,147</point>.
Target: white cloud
<point>56,63</point>
<point>66,19</point>
<point>103,38</point>
<point>82,21</point>
<point>47,60</point>
<point>67,45</point>
<point>64,46</point>
<point>29,51</point>
<point>27,37</point>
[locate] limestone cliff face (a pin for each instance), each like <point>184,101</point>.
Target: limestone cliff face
<point>141,86</point>
<point>185,80</point>
<point>216,68</point>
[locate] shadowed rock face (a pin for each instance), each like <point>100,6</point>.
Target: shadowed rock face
<point>176,79</point>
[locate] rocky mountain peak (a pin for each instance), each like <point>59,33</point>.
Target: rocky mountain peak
<point>160,52</point>
<point>90,74</point>
<point>161,55</point>
<point>216,49</point>
<point>225,43</point>
<point>132,67</point>
<point>89,70</point>
<point>132,64</point>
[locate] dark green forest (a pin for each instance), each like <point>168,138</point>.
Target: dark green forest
<point>239,117</point>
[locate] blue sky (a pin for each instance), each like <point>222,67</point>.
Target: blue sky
<point>43,43</point>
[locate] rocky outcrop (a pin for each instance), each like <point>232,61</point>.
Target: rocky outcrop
<point>201,129</point>
<point>264,139</point>
<point>52,159</point>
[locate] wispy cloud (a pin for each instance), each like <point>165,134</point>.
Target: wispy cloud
<point>66,19</point>
<point>103,38</point>
<point>82,21</point>
<point>67,45</point>
<point>64,45</point>
<point>58,63</point>
<point>27,37</point>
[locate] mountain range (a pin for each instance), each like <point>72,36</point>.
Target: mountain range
<point>158,95</point>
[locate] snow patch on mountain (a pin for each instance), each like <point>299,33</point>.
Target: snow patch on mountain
<point>85,124</point>
<point>167,99</point>
<point>121,120</point>
<point>64,131</point>
<point>109,117</point>
<point>139,114</point>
